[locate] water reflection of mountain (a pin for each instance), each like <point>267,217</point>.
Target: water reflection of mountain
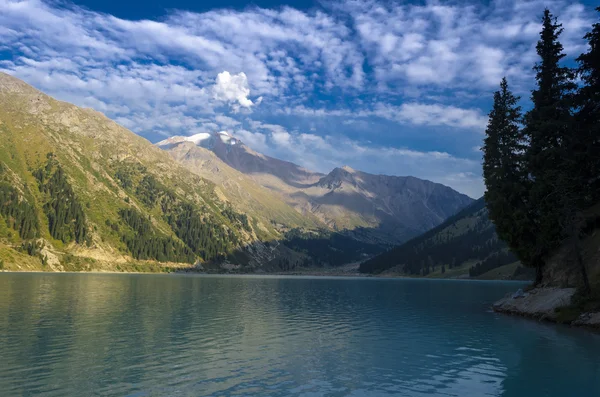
<point>193,335</point>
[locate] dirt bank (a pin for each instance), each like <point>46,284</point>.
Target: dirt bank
<point>544,304</point>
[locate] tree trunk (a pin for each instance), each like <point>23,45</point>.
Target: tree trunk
<point>539,265</point>
<point>586,281</point>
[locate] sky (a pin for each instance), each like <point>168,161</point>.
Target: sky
<point>387,87</point>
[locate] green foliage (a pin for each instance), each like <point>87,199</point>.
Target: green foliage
<point>127,174</point>
<point>540,179</point>
<point>236,217</point>
<point>145,243</point>
<point>32,248</point>
<point>149,190</point>
<point>204,236</point>
<point>548,129</point>
<point>18,213</point>
<point>124,179</point>
<point>587,119</point>
<point>443,245</point>
<point>66,218</point>
<point>506,175</point>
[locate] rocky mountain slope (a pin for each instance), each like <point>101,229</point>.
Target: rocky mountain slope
<point>375,208</point>
<point>78,191</point>
<point>241,190</point>
<point>464,245</point>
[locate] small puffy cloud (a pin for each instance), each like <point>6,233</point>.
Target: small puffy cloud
<point>233,89</point>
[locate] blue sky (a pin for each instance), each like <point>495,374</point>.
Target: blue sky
<point>399,88</point>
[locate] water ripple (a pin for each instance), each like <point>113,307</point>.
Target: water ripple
<point>133,335</point>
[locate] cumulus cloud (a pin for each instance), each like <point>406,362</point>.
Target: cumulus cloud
<point>232,89</point>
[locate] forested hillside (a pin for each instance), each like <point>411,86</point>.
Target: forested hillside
<point>79,192</point>
<point>465,238</point>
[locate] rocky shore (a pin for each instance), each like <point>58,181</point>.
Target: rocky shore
<point>544,304</point>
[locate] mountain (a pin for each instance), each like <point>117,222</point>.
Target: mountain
<point>464,245</point>
<point>239,156</point>
<point>375,208</point>
<point>80,192</point>
<point>243,192</point>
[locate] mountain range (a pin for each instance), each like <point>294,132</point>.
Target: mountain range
<point>80,192</point>
<point>374,208</point>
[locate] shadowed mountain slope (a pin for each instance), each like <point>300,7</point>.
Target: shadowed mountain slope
<point>465,244</point>
<point>375,208</point>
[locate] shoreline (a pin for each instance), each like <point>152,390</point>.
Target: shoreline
<point>258,274</point>
<point>549,304</point>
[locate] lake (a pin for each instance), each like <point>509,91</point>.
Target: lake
<point>179,335</point>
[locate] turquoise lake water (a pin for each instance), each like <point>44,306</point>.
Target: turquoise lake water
<point>171,335</point>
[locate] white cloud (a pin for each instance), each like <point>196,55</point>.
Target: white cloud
<point>423,65</point>
<point>437,115</point>
<point>226,121</point>
<point>232,89</point>
<point>322,153</point>
<point>413,113</point>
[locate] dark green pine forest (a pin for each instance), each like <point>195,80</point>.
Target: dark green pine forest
<point>468,236</point>
<point>541,170</point>
<point>17,212</point>
<point>162,226</point>
<point>66,218</point>
<point>193,233</point>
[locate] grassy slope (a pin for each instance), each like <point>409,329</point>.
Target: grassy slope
<point>88,146</point>
<point>240,190</point>
<point>453,227</point>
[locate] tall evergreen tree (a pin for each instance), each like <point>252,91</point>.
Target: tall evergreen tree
<point>587,145</point>
<point>548,128</point>
<point>505,175</point>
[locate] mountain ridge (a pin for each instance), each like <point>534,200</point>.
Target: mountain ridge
<point>127,197</point>
<point>390,208</point>
<point>97,196</point>
<point>464,245</point>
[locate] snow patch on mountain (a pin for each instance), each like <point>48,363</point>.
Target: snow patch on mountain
<point>226,138</point>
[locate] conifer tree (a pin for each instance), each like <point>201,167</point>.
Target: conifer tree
<point>505,175</point>
<point>586,146</point>
<point>548,128</point>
